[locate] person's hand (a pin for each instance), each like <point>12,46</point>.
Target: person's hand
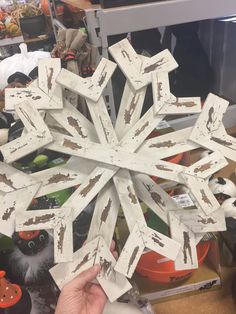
<point>81,296</point>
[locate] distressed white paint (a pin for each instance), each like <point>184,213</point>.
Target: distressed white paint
<point>48,70</point>
<point>187,257</point>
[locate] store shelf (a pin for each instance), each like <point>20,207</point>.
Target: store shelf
<point>11,41</point>
<point>144,16</point>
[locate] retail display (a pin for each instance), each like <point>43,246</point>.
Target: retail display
<point>122,154</point>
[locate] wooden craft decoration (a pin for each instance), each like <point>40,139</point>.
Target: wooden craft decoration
<point>60,220</point>
<point>43,93</point>
<point>114,164</point>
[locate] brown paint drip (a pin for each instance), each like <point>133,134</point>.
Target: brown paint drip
<point>90,185</point>
<point>163,168</point>
<point>155,196</point>
<point>49,78</point>
<point>132,258</point>
<point>61,235</point>
<point>163,144</point>
<point>210,118</point>
<point>105,212</point>
<point>126,55</point>
<point>59,177</point>
<point>187,104</point>
<point>187,247</point>
<point>159,91</point>
<point>70,144</point>
<point>132,196</point>
<point>74,123</point>
<point>203,167</point>
<point>20,147</point>
<point>8,212</point>
<point>84,260</point>
<point>36,97</point>
<point>222,142</point>
<point>157,240</point>
<point>206,221</point>
<point>106,266</point>
<point>154,66</point>
<point>102,78</point>
<point>129,112</point>
<point>39,219</point>
<point>5,180</point>
<point>205,198</point>
<point>139,131</point>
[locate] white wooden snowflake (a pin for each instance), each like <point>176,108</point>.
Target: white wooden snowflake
<point>114,164</point>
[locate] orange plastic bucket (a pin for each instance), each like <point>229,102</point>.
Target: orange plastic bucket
<point>157,268</point>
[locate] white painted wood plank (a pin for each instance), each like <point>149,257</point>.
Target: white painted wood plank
<point>207,166</point>
<point>128,60</point>
<point>160,90</point>
<point>48,70</point>
<point>200,191</point>
<point>36,219</point>
<point>64,176</point>
<point>142,237</point>
<point>105,214</point>
<point>25,145</point>
<point>92,87</point>
<point>63,237</point>
<point>74,122</point>
<point>12,179</point>
<point>210,118</point>
<point>168,144</point>
<point>96,251</point>
<point>129,110</point>
<point>89,189</point>
<point>31,118</point>
<point>116,157</point>
<point>82,259</point>
<point>60,220</point>
<point>222,142</point>
<point>139,132</point>
<point>160,243</point>
<point>131,253</point>
<point>14,202</point>
<point>102,121</point>
<point>113,283</point>
<point>128,199</point>
<point>138,71</point>
<point>14,96</point>
<point>187,257</point>
<point>154,196</point>
<point>181,105</point>
<point>198,222</point>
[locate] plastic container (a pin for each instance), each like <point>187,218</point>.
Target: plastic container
<point>157,268</point>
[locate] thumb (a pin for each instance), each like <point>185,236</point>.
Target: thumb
<point>80,281</point>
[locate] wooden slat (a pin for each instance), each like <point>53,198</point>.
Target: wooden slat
<point>92,87</point>
<point>187,257</point>
<point>60,220</point>
<point>13,202</point>
<point>40,100</point>
<point>182,105</point>
<point>168,144</point>
<point>207,166</point>
<point>74,122</point>
<point>113,283</point>
<point>62,177</point>
<point>48,70</point>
